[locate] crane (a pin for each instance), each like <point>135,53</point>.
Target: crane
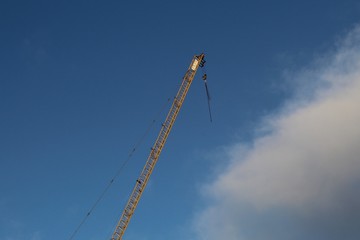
<point>141,182</point>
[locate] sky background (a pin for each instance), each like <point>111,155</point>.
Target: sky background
<point>81,81</point>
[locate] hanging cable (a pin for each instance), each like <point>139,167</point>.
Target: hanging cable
<point>136,145</point>
<point>208,99</point>
<point>204,77</point>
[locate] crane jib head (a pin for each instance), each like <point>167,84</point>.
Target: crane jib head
<point>201,57</point>
<point>198,61</point>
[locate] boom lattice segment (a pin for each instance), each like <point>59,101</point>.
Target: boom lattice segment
<point>141,182</point>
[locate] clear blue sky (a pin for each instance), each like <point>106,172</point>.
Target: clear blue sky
<point>80,81</point>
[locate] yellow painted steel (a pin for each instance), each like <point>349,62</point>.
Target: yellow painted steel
<point>142,181</point>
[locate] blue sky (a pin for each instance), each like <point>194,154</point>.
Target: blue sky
<point>80,81</point>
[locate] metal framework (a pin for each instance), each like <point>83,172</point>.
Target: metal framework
<point>141,182</point>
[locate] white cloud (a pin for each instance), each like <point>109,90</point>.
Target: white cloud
<point>301,179</point>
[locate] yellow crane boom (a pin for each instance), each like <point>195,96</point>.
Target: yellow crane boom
<point>141,182</point>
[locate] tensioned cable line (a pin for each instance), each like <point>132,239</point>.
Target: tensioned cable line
<point>137,144</point>
<point>204,77</point>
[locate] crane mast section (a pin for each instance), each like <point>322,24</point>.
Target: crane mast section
<point>141,182</point>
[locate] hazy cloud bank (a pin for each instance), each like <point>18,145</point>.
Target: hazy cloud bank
<point>300,180</point>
